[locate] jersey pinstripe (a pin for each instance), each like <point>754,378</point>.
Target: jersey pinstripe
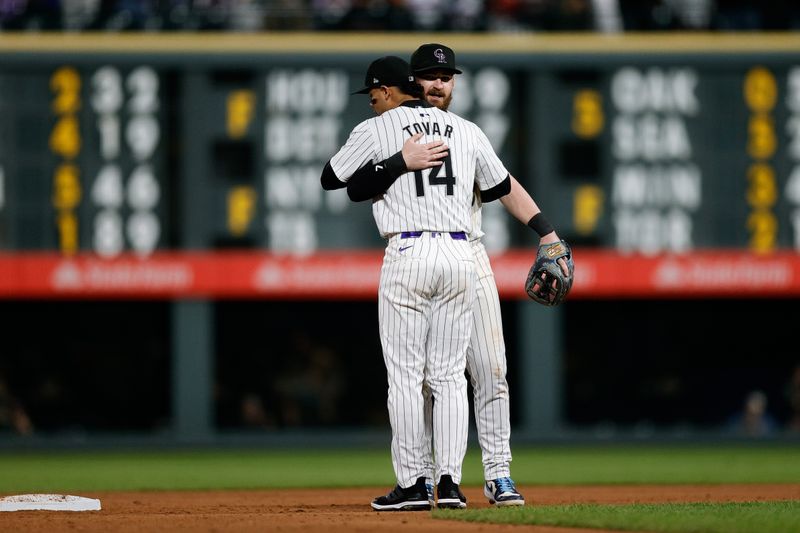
<point>423,201</point>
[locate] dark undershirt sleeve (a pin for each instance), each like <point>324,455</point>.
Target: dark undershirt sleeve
<point>329,180</point>
<point>498,191</point>
<point>372,180</point>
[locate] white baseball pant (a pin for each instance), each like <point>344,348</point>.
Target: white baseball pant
<point>425,302</point>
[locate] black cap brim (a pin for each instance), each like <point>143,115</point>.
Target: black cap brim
<point>365,90</point>
<point>443,69</point>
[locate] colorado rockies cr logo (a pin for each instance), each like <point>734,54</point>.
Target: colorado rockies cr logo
<point>440,55</point>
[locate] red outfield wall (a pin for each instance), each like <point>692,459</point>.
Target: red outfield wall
<point>354,274</point>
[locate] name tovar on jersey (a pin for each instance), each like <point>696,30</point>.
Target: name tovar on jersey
<point>435,199</point>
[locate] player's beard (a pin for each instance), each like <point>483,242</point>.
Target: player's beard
<point>444,103</point>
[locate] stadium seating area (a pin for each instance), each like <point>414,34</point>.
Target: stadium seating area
<point>398,15</point>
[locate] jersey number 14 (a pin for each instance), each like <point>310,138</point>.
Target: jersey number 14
<point>434,177</point>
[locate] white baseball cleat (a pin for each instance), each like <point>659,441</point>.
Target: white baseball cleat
<point>502,492</point>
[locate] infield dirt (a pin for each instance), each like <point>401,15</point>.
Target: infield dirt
<point>343,510</point>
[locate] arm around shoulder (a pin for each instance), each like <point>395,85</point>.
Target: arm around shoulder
<point>329,181</point>
<point>372,180</point>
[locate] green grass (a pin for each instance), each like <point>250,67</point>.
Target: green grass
<point>233,468</point>
<point>656,464</point>
<point>761,517</point>
<point>179,470</point>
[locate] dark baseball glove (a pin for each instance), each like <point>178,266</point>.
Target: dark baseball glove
<point>547,284</point>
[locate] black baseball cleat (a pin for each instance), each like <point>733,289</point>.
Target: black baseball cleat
<point>448,495</point>
<point>413,498</point>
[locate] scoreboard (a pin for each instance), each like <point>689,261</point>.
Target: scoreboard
<point>268,132</point>
<point>681,156</point>
<point>186,165</point>
<point>82,159</point>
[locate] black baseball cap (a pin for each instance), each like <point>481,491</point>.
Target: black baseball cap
<point>391,71</point>
<point>434,56</point>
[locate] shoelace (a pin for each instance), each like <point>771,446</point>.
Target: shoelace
<point>505,484</point>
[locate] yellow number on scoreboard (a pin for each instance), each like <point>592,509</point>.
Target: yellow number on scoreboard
<point>760,90</point>
<point>587,114</point>
<point>241,208</point>
<point>65,139</point>
<point>762,191</point>
<point>587,208</point>
<point>240,112</point>
<point>761,139</point>
<point>66,83</point>
<point>67,224</point>
<point>763,228</point>
<point>66,187</point>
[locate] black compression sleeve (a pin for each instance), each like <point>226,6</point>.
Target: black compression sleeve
<point>329,180</point>
<point>396,165</point>
<point>540,225</point>
<point>498,191</point>
<point>372,180</point>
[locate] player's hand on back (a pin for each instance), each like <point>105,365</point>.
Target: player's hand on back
<point>421,156</point>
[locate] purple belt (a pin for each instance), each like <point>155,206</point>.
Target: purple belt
<point>457,235</point>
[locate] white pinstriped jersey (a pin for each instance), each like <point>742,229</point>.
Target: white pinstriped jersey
<point>437,199</point>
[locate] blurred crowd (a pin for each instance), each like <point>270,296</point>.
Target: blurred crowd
<point>399,15</point>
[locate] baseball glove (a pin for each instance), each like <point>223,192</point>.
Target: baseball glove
<point>547,284</point>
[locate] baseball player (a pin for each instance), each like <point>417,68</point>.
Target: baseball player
<point>434,67</point>
<point>428,277</point>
